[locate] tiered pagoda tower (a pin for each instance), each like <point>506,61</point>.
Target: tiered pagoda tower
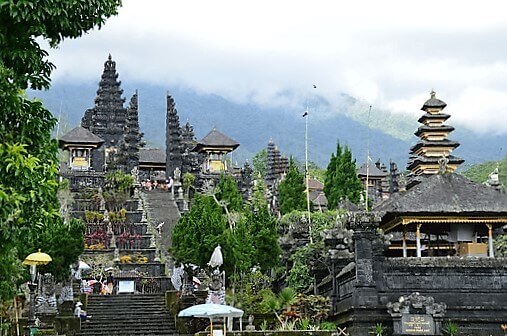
<point>276,165</point>
<point>426,156</point>
<point>173,138</point>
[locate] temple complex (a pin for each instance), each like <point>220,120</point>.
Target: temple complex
<point>424,253</point>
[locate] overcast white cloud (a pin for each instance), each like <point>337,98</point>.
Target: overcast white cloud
<point>387,53</point>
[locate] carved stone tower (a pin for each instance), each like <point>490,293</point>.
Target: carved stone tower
<point>107,118</point>
<point>128,156</point>
<point>173,138</point>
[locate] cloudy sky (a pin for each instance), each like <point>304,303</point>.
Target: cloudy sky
<point>390,54</point>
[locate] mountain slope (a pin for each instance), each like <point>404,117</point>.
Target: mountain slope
<point>253,126</point>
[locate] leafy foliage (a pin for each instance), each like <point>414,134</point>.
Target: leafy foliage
<point>501,245</point>
<point>259,194</point>
<point>450,329</point>
<point>118,180</point>
<point>117,189</point>
<point>227,191</point>
<point>251,291</point>
<point>251,241</point>
<point>312,253</point>
<point>378,329</point>
<point>199,231</point>
<point>315,308</point>
<point>188,181</point>
<point>23,22</point>
<point>292,190</point>
<point>29,206</point>
<point>259,161</point>
<point>341,180</point>
<point>264,232</point>
<point>64,242</point>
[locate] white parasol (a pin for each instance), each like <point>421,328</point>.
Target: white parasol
<point>211,310</point>
<point>216,259</point>
<point>83,266</point>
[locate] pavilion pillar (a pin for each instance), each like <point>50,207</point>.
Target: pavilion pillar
<point>490,241</point>
<point>404,241</point>
<point>418,240</point>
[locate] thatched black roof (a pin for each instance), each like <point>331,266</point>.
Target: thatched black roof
<point>373,171</point>
<point>80,135</point>
<point>433,129</point>
<point>434,143</point>
<point>151,155</point>
<point>440,115</point>
<point>216,139</point>
<point>446,194</point>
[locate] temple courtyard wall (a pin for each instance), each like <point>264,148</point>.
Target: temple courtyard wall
<point>474,291</point>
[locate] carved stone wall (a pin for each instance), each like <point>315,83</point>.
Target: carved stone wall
<point>473,289</point>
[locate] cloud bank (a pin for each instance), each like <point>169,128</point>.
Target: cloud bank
<point>388,54</point>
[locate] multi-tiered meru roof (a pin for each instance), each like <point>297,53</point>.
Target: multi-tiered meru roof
<point>433,151</point>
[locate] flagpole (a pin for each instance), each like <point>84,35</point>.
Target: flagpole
<point>307,173</point>
<point>367,160</point>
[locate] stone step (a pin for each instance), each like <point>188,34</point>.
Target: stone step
<point>126,315</point>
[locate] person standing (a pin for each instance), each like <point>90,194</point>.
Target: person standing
<point>110,283</point>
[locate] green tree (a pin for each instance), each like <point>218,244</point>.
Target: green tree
<point>199,231</point>
<point>237,248</point>
<point>341,180</point>
<point>227,191</point>
<point>259,162</point>
<point>28,187</point>
<point>64,242</point>
<point>264,233</point>
<point>291,192</point>
<point>259,194</point>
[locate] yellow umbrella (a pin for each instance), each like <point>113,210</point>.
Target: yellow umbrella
<point>37,258</point>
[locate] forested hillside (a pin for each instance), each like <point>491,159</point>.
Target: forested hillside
<point>479,173</point>
<point>253,126</point>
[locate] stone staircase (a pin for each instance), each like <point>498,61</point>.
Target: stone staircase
<point>161,207</point>
<point>128,315</point>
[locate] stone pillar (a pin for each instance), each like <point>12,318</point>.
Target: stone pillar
<point>491,248</point>
<point>365,297</point>
<point>418,240</point>
<point>404,241</point>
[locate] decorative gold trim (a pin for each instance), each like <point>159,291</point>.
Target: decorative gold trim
<point>406,220</point>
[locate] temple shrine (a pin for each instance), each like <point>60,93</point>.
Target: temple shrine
<point>214,147</point>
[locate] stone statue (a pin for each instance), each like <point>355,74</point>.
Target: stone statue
<point>216,288</point>
<point>46,301</point>
<point>67,294</point>
<point>135,174</point>
<point>250,325</point>
<point>177,175</point>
